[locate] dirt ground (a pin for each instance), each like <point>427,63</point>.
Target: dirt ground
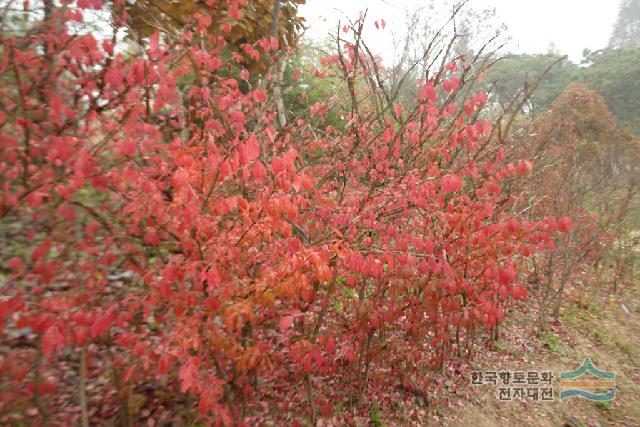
<point>604,327</point>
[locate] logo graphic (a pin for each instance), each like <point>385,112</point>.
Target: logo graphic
<point>589,382</point>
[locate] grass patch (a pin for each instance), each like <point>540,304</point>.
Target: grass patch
<point>604,405</point>
<point>552,342</point>
<point>600,335</point>
<point>625,346</point>
<point>375,417</point>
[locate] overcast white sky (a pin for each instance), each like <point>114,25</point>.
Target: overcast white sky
<point>572,25</point>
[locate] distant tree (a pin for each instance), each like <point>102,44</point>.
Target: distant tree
<point>508,76</point>
<point>611,72</point>
<point>552,49</point>
<point>626,31</point>
<point>614,73</point>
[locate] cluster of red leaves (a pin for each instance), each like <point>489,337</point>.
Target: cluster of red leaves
<point>262,257</point>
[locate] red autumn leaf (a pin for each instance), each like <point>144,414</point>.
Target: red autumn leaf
<point>164,364</point>
<point>330,345</point>
<point>52,340</point>
<point>451,183</point>
<point>286,322</point>
<point>151,236</point>
<point>128,373</point>
<point>259,171</point>
<point>251,149</point>
<point>101,324</point>
<point>41,251</point>
<point>15,263</point>
<point>213,277</point>
<point>565,224</point>
<point>451,84</point>
<point>188,374</point>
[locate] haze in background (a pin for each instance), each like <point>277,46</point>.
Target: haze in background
<point>565,26</point>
